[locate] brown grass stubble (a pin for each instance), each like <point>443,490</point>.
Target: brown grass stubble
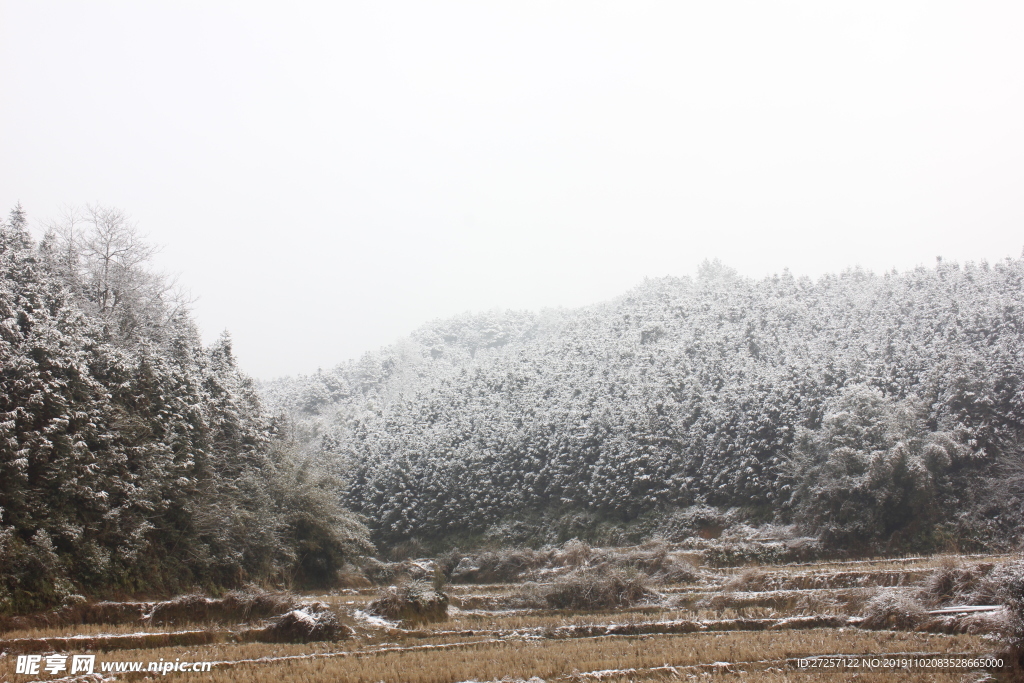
<point>479,660</point>
<point>790,677</point>
<point>404,654</point>
<point>485,659</point>
<point>458,621</point>
<point>553,659</point>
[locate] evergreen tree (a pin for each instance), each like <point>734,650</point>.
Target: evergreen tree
<point>130,456</point>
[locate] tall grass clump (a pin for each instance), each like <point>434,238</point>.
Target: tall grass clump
<point>589,590</point>
<point>893,610</point>
<point>956,582</point>
<point>1009,591</point>
<point>415,602</point>
<point>499,566</point>
<point>309,623</point>
<point>248,604</point>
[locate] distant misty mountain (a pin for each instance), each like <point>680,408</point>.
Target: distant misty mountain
<point>874,411</point>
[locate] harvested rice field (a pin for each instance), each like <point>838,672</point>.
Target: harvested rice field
<point>870,620</point>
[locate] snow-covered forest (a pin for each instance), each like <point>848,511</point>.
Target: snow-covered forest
<point>880,413</point>
<point>132,459</point>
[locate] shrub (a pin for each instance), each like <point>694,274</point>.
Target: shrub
<point>467,570</point>
<point>511,564</point>
<point>1010,592</point>
<point>752,579</point>
<point>407,550</point>
<point>867,479</point>
<point>501,566</point>
<point>678,570</point>
<point>957,582</point>
<point>449,560</point>
<point>528,595</point>
<point>1004,585</point>
<point>649,559</point>
<point>701,520</point>
<point>439,579</point>
<point>235,607</point>
<point>414,602</point>
<point>737,554</point>
<point>574,553</point>
<point>893,609</point>
<point>380,572</point>
<point>590,589</point>
<point>309,623</point>
<point>351,576</point>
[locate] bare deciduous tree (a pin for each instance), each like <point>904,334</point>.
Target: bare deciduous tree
<point>104,258</point>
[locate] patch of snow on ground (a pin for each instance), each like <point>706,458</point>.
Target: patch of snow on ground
<point>304,616</point>
<point>373,619</point>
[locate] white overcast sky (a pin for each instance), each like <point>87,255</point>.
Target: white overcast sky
<point>328,176</point>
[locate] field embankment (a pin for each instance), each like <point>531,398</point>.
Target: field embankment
<point>761,623</point>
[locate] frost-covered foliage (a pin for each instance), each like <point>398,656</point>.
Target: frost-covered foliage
<point>415,602</point>
<point>869,475</point>
<point>509,565</point>
<point>954,582</point>
<point>238,606</point>
<point>312,622</point>
<point>702,393</point>
<point>588,589</point>
<point>1011,593</point>
<point>893,609</point>
<point>131,457</point>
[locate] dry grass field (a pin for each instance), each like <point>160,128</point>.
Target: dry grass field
<point>749,624</point>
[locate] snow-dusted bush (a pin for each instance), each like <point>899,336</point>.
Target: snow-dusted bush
<point>499,566</point>
<point>1009,582</point>
<point>751,579</point>
<point>588,589</point>
<point>867,479</point>
<point>954,581</point>
<point>381,572</point>
<point>738,554</point>
<point>893,609</point>
<point>653,559</point>
<point>239,606</point>
<point>700,520</point>
<point>414,602</point>
<point>677,570</point>
<point>309,623</point>
<point>574,553</point>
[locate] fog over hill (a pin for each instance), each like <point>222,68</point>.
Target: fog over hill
<point>878,412</point>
